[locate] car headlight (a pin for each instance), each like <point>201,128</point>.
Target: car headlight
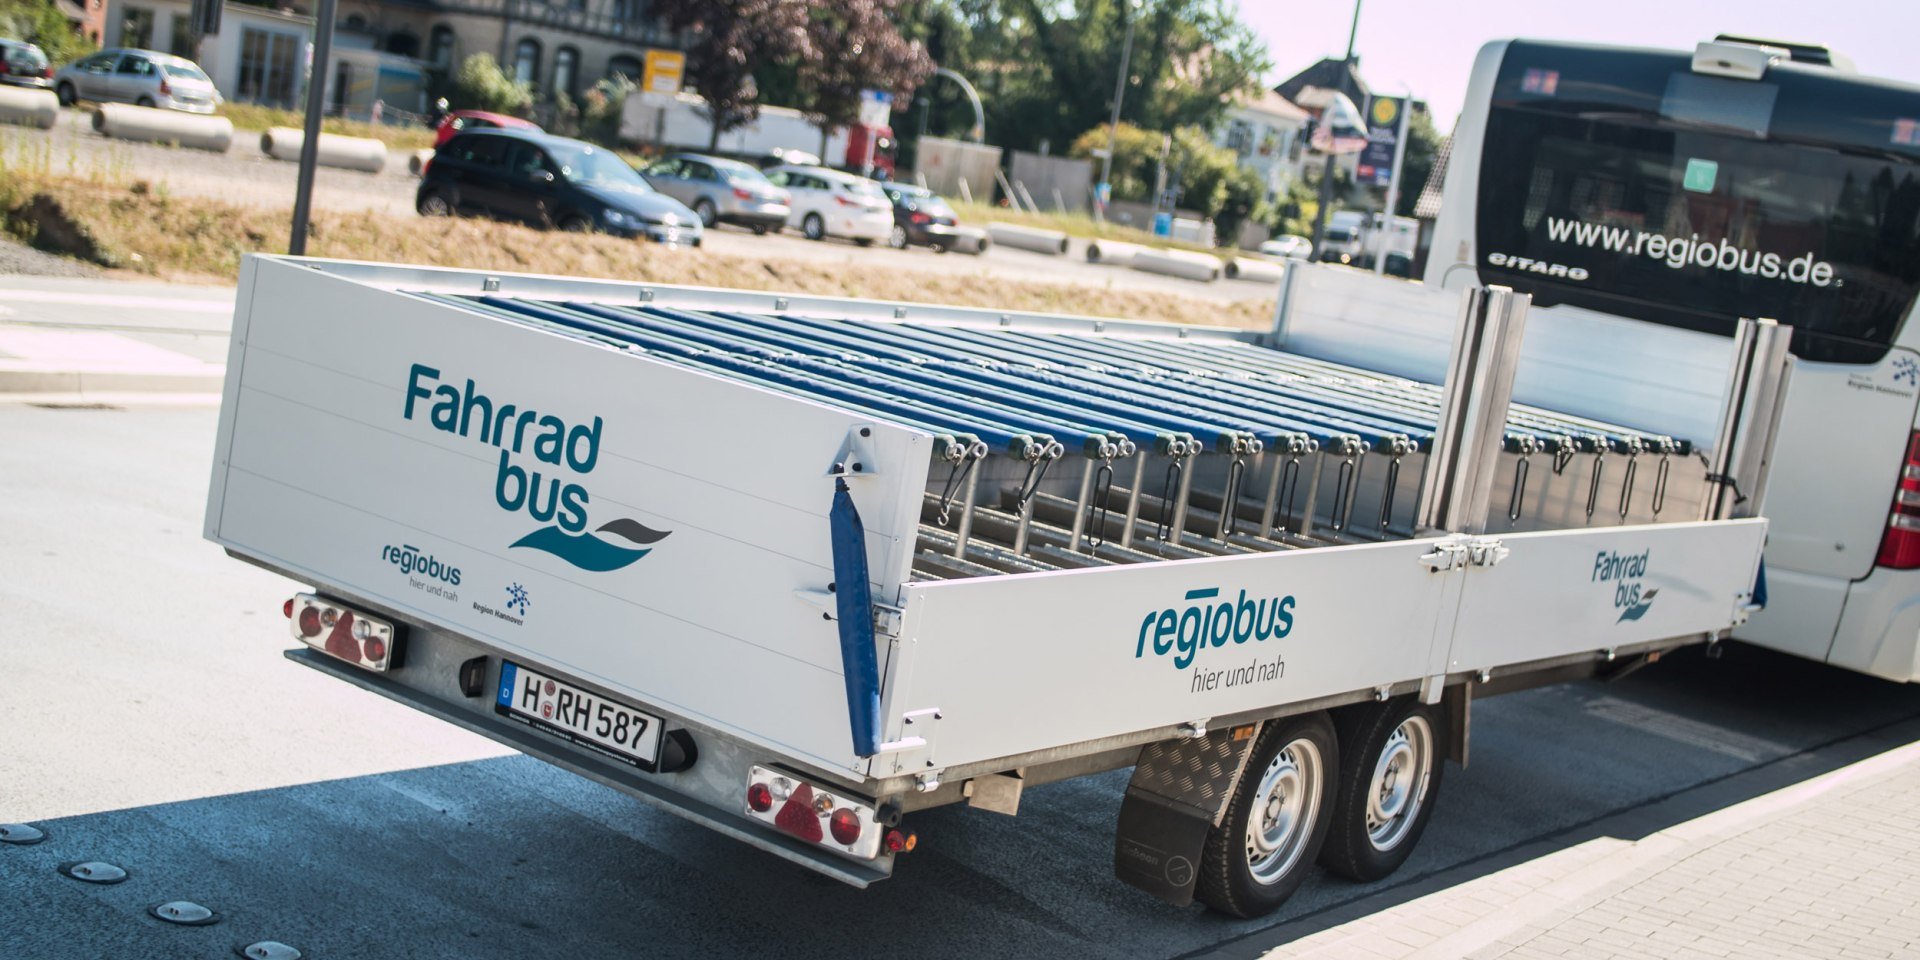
<point>616,218</point>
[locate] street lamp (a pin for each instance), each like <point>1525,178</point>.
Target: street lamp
<point>1119,94</point>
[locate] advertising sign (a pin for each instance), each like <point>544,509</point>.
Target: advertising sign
<point>1383,131</point>
<point>663,71</point>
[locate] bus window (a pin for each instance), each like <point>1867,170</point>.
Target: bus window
<point>1651,193</point>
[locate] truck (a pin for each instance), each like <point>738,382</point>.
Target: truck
<point>796,568</point>
<point>679,121</point>
<point>1662,194</point>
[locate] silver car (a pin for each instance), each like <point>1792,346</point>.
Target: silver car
<point>148,78</point>
<point>721,191</point>
<point>24,65</point>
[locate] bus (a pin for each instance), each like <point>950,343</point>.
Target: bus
<point>1659,196</point>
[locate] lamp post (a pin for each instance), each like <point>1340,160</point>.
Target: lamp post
<point>1119,95</point>
<point>317,77</point>
<point>1326,175</point>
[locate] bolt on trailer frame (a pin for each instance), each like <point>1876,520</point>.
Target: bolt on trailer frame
<point>914,555</point>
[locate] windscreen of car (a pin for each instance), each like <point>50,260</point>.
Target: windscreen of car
<point>739,173</point>
<point>864,188</point>
<point>1621,181</point>
<point>592,166</point>
<point>1339,235</point>
<point>183,70</point>
<point>26,59</point>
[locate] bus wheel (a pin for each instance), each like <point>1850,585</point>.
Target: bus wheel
<point>1265,845</point>
<point>1392,759</point>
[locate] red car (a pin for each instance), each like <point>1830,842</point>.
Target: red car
<point>460,120</point>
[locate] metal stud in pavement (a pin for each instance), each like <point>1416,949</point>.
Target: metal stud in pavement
<point>20,833</point>
<point>266,950</point>
<point>184,912</point>
<point>93,871</point>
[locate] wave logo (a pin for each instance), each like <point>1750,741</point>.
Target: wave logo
<point>547,489</point>
<point>1907,371</point>
<point>1212,621</point>
<point>1638,608</point>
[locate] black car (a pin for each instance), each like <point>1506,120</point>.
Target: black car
<point>552,181</point>
<point>920,216</point>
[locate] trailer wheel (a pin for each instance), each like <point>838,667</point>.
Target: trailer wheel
<point>1265,845</point>
<point>1392,758</point>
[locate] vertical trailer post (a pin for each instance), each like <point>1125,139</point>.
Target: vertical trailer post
<point>1458,482</point>
<point>1283,301</point>
<point>1749,419</point>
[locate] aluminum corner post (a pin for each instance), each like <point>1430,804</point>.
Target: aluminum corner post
<point>1284,299</point>
<point>1456,488</point>
<point>1749,419</point>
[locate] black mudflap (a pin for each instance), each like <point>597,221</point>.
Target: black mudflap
<point>1179,791</point>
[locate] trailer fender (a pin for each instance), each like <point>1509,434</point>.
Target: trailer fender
<point>1179,791</point>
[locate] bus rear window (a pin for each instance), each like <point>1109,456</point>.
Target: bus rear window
<point>1696,221</point>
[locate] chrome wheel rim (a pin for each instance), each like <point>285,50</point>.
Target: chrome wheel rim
<point>814,228</point>
<point>436,206</point>
<point>707,215</point>
<point>897,238</point>
<point>1400,781</point>
<point>1285,808</point>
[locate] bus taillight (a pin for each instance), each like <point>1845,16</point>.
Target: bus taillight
<point>1900,547</point>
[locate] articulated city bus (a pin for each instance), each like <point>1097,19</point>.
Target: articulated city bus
<point>1664,195</point>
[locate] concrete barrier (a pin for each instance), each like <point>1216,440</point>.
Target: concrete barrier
<point>971,240</point>
<point>348,153</point>
<point>1256,270</point>
<point>1114,252</point>
<point>1178,263</point>
<point>1051,242</point>
<point>417,161</point>
<point>126,122</point>
<point>28,107</point>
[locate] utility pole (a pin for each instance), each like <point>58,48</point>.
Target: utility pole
<point>310,138</point>
<point>1326,176</point>
<point>1393,181</point>
<point>1119,95</point>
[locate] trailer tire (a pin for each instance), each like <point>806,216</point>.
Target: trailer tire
<point>1267,842</point>
<point>1392,754</point>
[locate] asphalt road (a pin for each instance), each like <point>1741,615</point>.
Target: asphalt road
<point>244,175</point>
<point>150,720</point>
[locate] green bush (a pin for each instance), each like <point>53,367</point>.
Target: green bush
<point>600,110</point>
<point>480,84</point>
<point>41,23</point>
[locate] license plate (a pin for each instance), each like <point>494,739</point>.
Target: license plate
<point>593,721</point>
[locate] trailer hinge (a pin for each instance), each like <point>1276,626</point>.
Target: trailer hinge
<point>1487,551</point>
<point>1446,555</point>
<point>1460,551</point>
<point>887,620</point>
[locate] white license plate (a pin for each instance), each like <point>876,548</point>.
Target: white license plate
<point>570,713</point>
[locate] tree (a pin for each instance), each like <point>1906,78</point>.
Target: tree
<point>1423,143</point>
<point>728,38</point>
<point>41,23</point>
<point>480,84</point>
<point>853,46</point>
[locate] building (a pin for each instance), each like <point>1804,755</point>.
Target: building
<point>1268,133</point>
<point>88,17</point>
<point>398,52</point>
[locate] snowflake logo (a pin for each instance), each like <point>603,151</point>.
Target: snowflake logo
<point>517,598</point>
<point>1906,370</point>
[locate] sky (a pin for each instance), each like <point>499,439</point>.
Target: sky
<point>1428,47</point>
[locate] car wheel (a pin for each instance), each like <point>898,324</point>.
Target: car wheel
<point>1276,821</point>
<point>943,248</point>
<point>708,215</point>
<point>759,229</point>
<point>434,204</point>
<point>66,95</point>
<point>813,227</point>
<point>575,223</point>
<point>897,237</point>
<point>145,102</point>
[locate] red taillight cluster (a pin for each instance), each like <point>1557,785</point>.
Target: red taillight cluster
<point>919,218</point>
<point>741,193</point>
<point>1900,546</point>
<point>817,815</point>
<point>166,89</point>
<point>847,201</point>
<point>346,634</point>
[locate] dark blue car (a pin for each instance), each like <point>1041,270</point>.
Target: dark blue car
<point>549,181</point>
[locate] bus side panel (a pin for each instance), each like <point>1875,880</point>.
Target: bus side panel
<point>1032,661</point>
<point>1567,592</point>
<point>705,502</point>
<point>1880,633</point>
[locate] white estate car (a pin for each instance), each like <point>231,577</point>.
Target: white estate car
<point>1287,246</point>
<point>829,203</point>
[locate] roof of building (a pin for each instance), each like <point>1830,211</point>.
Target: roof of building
<point>1328,74</point>
<point>1271,104</point>
<point>1427,207</point>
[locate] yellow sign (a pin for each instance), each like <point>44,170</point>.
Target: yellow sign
<point>663,70</point>
<point>1386,111</point>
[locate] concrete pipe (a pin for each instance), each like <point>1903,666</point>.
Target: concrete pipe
<point>1258,271</point>
<point>125,122</point>
<point>971,240</point>
<point>1179,263</point>
<point>348,153</point>
<point>1114,252</point>
<point>417,161</point>
<point>1051,242</point>
<point>31,108</point>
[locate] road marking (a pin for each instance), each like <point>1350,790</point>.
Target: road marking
<point>90,350</point>
<point>172,304</point>
<point>1685,730</point>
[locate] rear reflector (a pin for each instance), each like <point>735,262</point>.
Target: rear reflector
<point>1900,545</point>
<point>815,814</point>
<point>342,632</point>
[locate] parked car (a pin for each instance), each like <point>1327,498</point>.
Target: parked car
<point>148,78</point>
<point>920,216</point>
<point>545,180</point>
<point>461,120</point>
<point>721,191</point>
<point>24,65</point>
<point>1287,247</point>
<point>829,203</point>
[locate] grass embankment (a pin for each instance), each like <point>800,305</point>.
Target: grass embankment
<point>144,229</point>
<point>1079,225</point>
<point>250,116</point>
